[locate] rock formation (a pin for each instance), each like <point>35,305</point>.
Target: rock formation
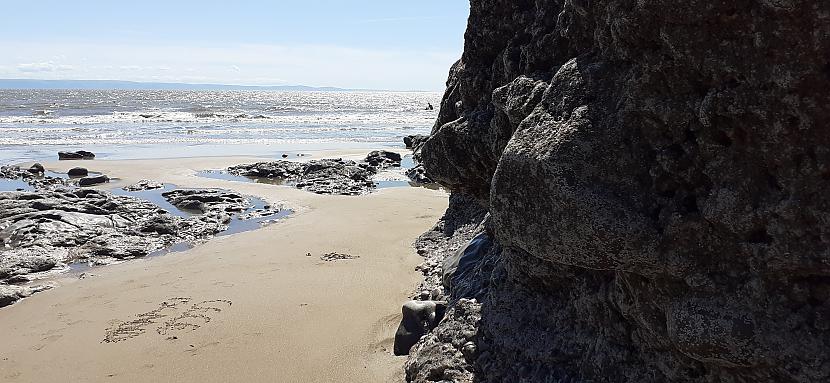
<point>652,176</point>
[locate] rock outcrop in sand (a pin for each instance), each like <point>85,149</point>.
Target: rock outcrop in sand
<point>652,176</point>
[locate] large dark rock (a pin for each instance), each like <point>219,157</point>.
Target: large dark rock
<point>655,173</point>
<point>79,155</point>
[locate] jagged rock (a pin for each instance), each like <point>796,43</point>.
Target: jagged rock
<point>418,175</point>
<point>93,180</point>
<point>79,155</point>
<point>383,159</point>
<point>448,352</point>
<point>143,185</point>
<point>419,317</point>
<point>78,172</point>
<point>655,173</point>
<point>207,200</point>
<point>325,176</point>
<point>37,179</point>
<point>415,141</point>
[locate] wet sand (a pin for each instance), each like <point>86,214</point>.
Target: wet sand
<point>247,307</point>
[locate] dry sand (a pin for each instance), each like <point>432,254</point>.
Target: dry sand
<point>285,317</point>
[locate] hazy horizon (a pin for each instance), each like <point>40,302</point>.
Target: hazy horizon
<point>45,84</point>
<point>317,43</point>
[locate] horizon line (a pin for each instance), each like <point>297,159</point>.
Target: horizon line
<point>137,85</point>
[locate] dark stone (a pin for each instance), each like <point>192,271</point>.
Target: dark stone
<point>418,318</point>
<point>37,169</point>
<point>79,155</point>
<point>95,180</point>
<point>656,176</point>
<point>383,159</point>
<point>415,141</point>
<point>78,172</point>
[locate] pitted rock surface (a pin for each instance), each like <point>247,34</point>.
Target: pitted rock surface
<point>655,173</point>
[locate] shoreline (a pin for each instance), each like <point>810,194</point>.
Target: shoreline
<point>290,313</point>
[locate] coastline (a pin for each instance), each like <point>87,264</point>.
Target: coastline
<point>290,317</point>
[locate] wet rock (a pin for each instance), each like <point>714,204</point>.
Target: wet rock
<point>37,179</point>
<point>45,229</point>
<point>419,317</point>
<point>37,169</point>
<point>325,176</point>
<point>93,180</point>
<point>78,172</point>
<point>383,159</point>
<point>418,175</point>
<point>79,155</point>
<point>143,185</point>
<point>207,200</point>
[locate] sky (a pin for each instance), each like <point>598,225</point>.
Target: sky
<point>391,44</point>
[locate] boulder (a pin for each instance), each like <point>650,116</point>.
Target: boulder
<point>94,180</point>
<point>37,168</point>
<point>656,176</point>
<point>418,318</point>
<point>78,172</point>
<point>79,155</point>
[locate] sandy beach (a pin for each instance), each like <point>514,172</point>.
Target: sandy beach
<point>249,307</point>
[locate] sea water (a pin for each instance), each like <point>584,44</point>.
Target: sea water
<point>124,124</point>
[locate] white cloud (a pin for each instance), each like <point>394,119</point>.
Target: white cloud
<point>40,67</point>
<point>235,68</point>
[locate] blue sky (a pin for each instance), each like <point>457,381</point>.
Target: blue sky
<point>356,44</point>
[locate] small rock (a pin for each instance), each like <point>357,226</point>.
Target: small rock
<point>78,172</point>
<point>37,169</point>
<point>96,180</point>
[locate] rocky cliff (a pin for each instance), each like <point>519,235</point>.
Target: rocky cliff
<point>652,175</point>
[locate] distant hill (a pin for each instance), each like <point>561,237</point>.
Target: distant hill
<point>131,85</point>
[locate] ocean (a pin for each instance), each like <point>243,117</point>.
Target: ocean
<point>127,124</point>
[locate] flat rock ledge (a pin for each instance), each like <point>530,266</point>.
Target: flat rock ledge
<point>324,176</point>
<point>42,231</point>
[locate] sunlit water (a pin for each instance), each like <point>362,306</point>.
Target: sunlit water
<point>118,124</point>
